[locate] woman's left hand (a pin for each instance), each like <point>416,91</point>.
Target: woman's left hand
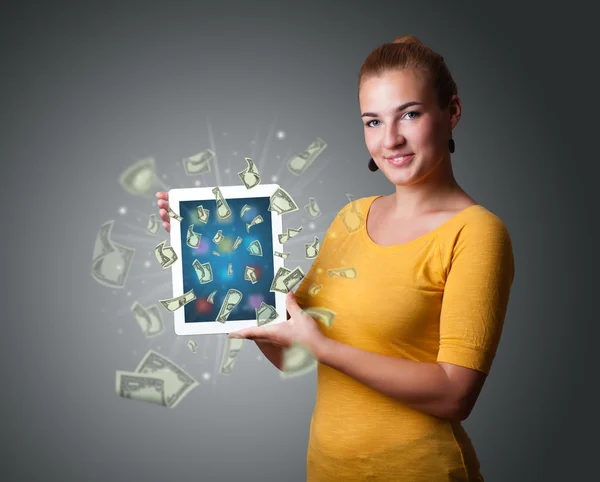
<point>300,328</point>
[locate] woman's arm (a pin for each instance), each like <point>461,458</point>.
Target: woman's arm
<point>444,392</point>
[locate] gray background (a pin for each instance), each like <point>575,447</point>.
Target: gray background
<point>87,89</point>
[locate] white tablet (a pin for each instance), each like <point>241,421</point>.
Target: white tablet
<point>225,245</point>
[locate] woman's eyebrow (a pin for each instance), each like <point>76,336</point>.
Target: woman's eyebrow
<point>398,109</point>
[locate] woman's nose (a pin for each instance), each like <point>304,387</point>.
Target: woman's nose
<point>392,138</point>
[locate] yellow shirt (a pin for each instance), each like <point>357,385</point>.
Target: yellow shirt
<point>440,297</point>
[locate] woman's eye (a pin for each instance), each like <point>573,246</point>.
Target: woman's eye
<point>369,123</point>
<point>413,112</point>
<point>417,114</point>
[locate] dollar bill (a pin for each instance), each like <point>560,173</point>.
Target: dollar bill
<point>103,244</point>
<point>265,314</point>
<point>352,218</point>
<point>174,215</point>
<point>257,220</point>
<point>223,211</point>
<point>312,250</point>
<point>112,269</point>
<point>203,271</point>
<point>211,297</point>
<point>218,237</point>
<point>249,176</point>
<point>297,360</point>
<point>293,278</point>
<point>149,319</point>
<point>250,274</point>
<point>245,208</point>
<point>349,273</point>
<point>312,208</point>
<point>165,255</point>
<point>290,233</point>
<point>153,225</point>
<point>282,202</point>
<point>236,244</point>
<point>203,214</point>
<point>173,304</point>
<point>324,315</point>
<point>216,253</point>
<point>314,289</point>
<point>139,179</point>
<point>302,161</point>
<point>255,248</point>
<point>229,269</point>
<point>192,239</point>
<point>232,299</point>
<point>282,255</point>
<point>141,387</point>
<point>277,284</point>
<point>178,383</point>
<point>199,163</point>
<point>192,345</point>
<point>230,353</point>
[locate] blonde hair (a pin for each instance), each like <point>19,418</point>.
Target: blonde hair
<point>409,53</point>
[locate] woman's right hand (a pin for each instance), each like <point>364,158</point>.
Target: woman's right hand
<point>163,209</point>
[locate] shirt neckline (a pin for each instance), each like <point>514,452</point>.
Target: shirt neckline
<point>364,235</point>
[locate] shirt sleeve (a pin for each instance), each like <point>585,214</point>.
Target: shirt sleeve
<point>476,294</point>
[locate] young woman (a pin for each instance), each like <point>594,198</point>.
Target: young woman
<point>419,281</point>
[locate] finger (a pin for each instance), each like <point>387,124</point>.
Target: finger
<point>167,226</point>
<point>164,215</point>
<point>162,195</point>
<point>163,204</point>
<point>291,305</point>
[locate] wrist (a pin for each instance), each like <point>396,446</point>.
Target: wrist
<point>319,347</point>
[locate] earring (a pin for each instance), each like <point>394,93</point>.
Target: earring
<point>451,145</point>
<point>372,166</point>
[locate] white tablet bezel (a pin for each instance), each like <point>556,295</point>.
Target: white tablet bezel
<point>229,192</point>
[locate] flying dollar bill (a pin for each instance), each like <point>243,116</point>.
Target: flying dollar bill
<point>198,163</point>
<point>173,304</point>
<point>203,271</point>
<point>178,383</point>
<point>244,209</point>
<point>249,176</point>
<point>265,314</point>
<point>230,353</point>
<point>324,315</point>
<point>223,211</point>
<point>257,220</point>
<point>153,225</point>
<point>312,250</point>
<point>192,239</point>
<point>290,233</point>
<point>352,218</point>
<point>202,214</point>
<point>255,248</point>
<point>282,255</point>
<point>282,202</point>
<point>149,319</point>
<point>140,178</point>
<point>250,274</point>
<point>277,284</point>
<point>302,161</point>
<point>297,360</point>
<point>312,208</point>
<point>174,215</point>
<point>165,255</point>
<point>349,273</point>
<point>113,269</point>
<point>293,278</point>
<point>232,299</point>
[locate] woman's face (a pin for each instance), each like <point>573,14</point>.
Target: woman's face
<point>422,129</point>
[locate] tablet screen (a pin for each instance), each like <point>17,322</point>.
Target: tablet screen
<point>229,267</point>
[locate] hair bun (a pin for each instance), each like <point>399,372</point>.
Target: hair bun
<point>407,39</point>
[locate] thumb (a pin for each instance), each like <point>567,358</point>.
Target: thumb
<point>291,304</point>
